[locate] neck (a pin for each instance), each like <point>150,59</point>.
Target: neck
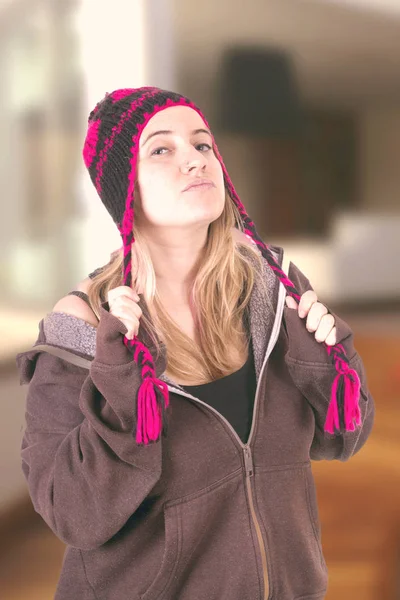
<point>175,257</point>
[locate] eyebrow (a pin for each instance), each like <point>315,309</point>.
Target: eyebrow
<point>169,132</point>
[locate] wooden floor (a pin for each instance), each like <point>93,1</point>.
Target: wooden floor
<point>30,563</point>
<point>359,504</point>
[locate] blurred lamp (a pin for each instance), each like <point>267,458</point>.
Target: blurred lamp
<point>258,93</point>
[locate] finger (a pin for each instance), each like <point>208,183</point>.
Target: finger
<point>125,293</point>
<point>306,301</point>
<point>291,302</point>
<point>131,335</point>
<point>118,291</point>
<point>132,329</point>
<point>126,314</point>
<point>125,303</point>
<point>331,339</point>
<point>137,311</point>
<point>317,311</point>
<point>325,327</point>
<point>122,291</point>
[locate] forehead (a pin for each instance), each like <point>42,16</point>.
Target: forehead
<point>180,119</point>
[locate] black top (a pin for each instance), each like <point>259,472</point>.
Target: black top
<point>232,396</point>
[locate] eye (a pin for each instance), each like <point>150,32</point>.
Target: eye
<point>158,151</point>
<point>206,146</point>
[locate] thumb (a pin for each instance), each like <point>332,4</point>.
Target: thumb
<point>291,302</point>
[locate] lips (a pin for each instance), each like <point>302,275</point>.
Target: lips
<point>199,184</point>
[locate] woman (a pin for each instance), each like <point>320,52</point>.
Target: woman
<point>177,396</point>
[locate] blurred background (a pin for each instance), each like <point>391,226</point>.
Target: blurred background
<point>304,100</point>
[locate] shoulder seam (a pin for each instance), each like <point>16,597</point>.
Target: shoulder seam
<point>70,357</point>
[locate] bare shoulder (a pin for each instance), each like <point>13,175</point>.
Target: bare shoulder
<point>73,305</point>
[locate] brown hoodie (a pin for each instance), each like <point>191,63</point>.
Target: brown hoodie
<point>199,515</point>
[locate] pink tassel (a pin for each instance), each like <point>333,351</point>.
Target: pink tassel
<point>352,413</point>
<point>152,399</point>
<point>332,417</point>
<point>347,395</point>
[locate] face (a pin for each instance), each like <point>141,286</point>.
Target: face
<point>180,180</point>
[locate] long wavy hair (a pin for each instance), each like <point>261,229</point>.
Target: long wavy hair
<point>220,295</point>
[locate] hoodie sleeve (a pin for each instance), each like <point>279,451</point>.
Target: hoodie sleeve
<point>313,374</point>
<point>85,473</point>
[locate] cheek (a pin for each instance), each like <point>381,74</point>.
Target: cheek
<point>157,200</point>
<point>218,174</point>
<point>152,188</point>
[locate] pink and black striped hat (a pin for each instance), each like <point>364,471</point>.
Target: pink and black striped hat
<point>110,153</point>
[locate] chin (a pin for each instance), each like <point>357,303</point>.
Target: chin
<point>207,216</point>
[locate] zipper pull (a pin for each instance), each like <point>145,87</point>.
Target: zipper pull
<point>248,461</point>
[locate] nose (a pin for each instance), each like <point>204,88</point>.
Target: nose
<point>194,161</point>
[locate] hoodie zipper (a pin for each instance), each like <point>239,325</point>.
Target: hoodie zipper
<point>248,459</point>
<point>247,454</point>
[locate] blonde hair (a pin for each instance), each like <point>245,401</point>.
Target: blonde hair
<point>220,295</point>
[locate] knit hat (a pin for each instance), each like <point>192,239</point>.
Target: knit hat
<point>110,153</point>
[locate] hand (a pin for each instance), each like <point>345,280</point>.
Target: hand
<point>318,318</point>
<point>123,304</point>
